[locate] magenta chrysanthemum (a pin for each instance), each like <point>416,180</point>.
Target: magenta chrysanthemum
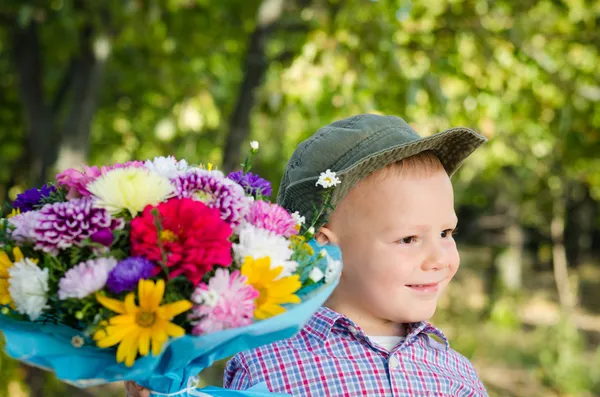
<point>272,217</point>
<point>62,225</point>
<point>225,302</point>
<point>212,188</point>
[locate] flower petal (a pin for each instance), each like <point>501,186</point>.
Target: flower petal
<point>112,304</point>
<point>144,342</point>
<point>156,295</point>
<point>18,254</point>
<point>285,286</point>
<point>5,261</point>
<point>143,290</point>
<point>287,299</point>
<point>171,310</point>
<point>123,319</point>
<point>130,306</point>
<point>268,310</point>
<point>174,330</point>
<point>110,336</point>
<point>159,337</point>
<point>128,349</point>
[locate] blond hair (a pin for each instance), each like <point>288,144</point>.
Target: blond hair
<point>421,164</point>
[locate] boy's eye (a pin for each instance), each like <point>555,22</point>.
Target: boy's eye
<point>407,240</point>
<point>448,233</point>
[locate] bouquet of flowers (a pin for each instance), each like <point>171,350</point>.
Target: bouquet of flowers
<point>150,271</point>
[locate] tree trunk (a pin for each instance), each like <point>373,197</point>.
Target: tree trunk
<point>579,224</point>
<point>491,281</point>
<point>256,65</point>
<point>510,261</point>
<point>559,255</point>
<point>41,150</point>
<point>74,146</point>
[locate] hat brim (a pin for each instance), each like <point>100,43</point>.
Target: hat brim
<point>451,147</point>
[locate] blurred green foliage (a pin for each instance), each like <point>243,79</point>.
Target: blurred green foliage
<point>170,73</point>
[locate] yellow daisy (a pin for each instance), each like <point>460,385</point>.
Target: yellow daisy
<point>136,326</point>
<point>274,292</point>
<point>5,264</point>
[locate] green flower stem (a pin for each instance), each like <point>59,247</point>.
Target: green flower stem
<point>159,230</point>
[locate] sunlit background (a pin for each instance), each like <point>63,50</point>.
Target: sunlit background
<point>109,81</point>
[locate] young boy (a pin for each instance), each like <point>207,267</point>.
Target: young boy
<point>393,220</point>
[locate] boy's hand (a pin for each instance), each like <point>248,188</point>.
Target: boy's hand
<point>135,390</point>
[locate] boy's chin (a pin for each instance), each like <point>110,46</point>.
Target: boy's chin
<point>417,315</point>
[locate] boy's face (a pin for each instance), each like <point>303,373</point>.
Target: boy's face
<point>395,233</point>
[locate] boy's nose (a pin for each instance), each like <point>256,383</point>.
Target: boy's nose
<point>436,258</point>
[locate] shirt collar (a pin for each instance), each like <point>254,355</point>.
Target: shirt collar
<point>426,328</point>
<point>325,320</point>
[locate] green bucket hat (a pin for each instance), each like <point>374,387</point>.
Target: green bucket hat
<point>358,146</point>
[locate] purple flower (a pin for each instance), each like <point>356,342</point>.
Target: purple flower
<point>62,225</point>
<point>127,273</point>
<point>32,197</point>
<point>252,183</point>
<point>212,188</point>
<point>103,236</point>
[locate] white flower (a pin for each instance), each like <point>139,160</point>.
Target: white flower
<point>316,274</point>
<point>311,231</point>
<point>328,179</point>
<point>85,278</point>
<point>77,341</point>
<point>28,288</point>
<point>24,225</point>
<point>254,145</point>
<point>208,298</point>
<point>167,166</point>
<point>300,220</point>
<point>258,243</point>
<point>333,270</point>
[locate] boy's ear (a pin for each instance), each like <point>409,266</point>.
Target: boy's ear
<point>326,236</point>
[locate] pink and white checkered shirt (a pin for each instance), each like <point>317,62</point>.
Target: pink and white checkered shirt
<point>331,356</point>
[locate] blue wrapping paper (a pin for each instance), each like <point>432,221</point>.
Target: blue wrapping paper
<point>49,346</point>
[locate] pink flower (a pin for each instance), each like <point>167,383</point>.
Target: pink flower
<point>225,302</point>
<point>272,217</point>
<point>77,181</point>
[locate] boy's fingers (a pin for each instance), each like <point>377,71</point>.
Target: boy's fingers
<point>130,389</point>
<point>142,392</point>
<point>135,390</point>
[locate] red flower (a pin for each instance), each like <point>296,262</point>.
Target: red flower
<point>193,236</point>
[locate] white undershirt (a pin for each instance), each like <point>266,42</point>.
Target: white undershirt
<point>387,342</point>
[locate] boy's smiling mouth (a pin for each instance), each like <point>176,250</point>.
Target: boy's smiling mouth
<point>429,288</point>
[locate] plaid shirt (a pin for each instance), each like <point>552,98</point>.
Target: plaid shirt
<point>331,356</point>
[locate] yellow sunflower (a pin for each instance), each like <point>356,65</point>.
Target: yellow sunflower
<point>135,327</point>
<point>5,264</point>
<point>274,292</point>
